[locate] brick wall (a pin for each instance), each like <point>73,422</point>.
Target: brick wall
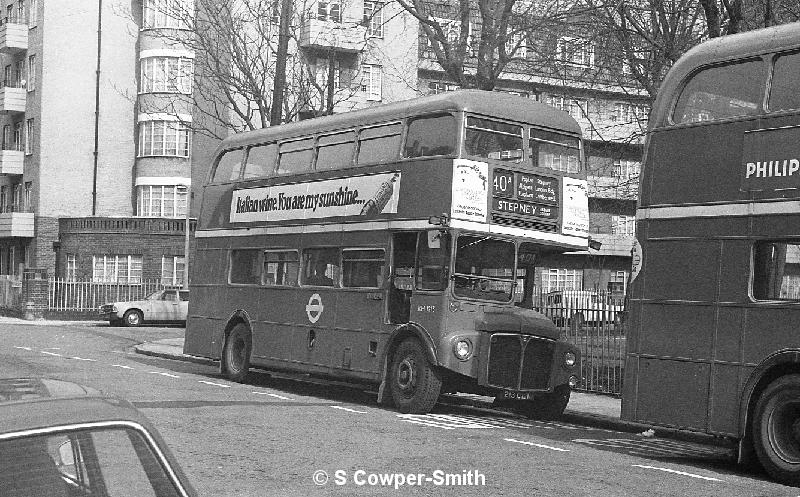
<point>43,255</point>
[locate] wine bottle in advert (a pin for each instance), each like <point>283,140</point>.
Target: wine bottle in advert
<point>375,205</point>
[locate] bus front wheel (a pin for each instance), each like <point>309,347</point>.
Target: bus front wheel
<point>549,405</point>
<point>236,353</point>
<point>776,429</point>
<point>414,383</point>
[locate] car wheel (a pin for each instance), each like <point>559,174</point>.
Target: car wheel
<point>549,405</point>
<point>776,429</point>
<point>236,353</point>
<point>132,317</point>
<point>415,384</point>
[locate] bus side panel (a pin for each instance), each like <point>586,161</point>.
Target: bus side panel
<point>673,392</point>
<point>271,333</point>
<point>208,268</point>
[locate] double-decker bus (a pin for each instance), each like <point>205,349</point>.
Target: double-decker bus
<point>713,339</point>
<point>394,246</point>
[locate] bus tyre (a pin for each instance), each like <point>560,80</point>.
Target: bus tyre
<point>132,317</point>
<point>236,354</point>
<point>414,383</point>
<point>549,405</point>
<point>776,429</point>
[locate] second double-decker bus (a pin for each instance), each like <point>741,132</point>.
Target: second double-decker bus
<point>714,328</point>
<point>395,246</point>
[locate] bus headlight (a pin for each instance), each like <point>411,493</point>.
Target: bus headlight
<point>569,359</point>
<point>462,349</point>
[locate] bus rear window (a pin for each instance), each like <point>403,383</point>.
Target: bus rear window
<point>554,151</point>
<point>785,90</point>
<point>721,92</point>
<point>228,166</point>
<point>493,139</point>
<point>776,270</point>
<point>433,135</point>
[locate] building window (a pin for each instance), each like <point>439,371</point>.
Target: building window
<point>31,83</point>
<point>575,107</point>
<point>18,136</point>
<point>561,279</point>
<point>329,10</point>
<point>176,14</point>
<point>321,73</point>
<point>117,268</point>
<point>625,112</point>
<point>20,11</point>
<point>516,44</point>
<point>436,87</point>
<point>373,18</point>
<point>27,201</point>
<point>170,138</point>
<point>616,283</point>
<point>371,81</point>
<point>575,51</point>
<point>71,269</point>
<point>626,169</point>
<point>623,225</point>
<point>29,137</point>
<point>4,199</point>
<point>166,74</point>
<point>17,199</point>
<point>20,75</point>
<point>172,269</point>
<point>161,201</point>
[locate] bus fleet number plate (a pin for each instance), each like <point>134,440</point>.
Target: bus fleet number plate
<point>517,395</point>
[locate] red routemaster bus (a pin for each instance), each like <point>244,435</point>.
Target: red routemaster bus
<point>394,245</point>
<point>714,323</point>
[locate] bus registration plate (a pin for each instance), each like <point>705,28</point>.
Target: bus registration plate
<point>508,394</point>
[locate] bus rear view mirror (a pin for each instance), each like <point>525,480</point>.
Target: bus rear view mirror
<point>434,240</point>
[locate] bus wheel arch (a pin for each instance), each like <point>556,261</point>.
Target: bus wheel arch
<point>780,365</point>
<point>237,347</point>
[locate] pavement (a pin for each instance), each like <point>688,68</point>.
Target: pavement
<point>584,408</point>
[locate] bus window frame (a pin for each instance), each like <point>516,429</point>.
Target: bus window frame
<point>752,279</point>
<point>458,137</point>
<point>529,158</point>
<point>260,261</point>
<point>318,144</point>
<point>383,275</point>
<point>398,152</point>
<point>248,148</point>
<point>280,251</point>
<point>772,60</point>
<point>766,64</point>
<point>218,159</point>
<point>462,141</point>
<point>290,144</point>
<point>337,282</point>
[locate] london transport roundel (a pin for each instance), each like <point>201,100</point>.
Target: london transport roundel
<point>314,308</point>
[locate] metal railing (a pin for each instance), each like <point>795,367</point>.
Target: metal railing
<point>87,296</point>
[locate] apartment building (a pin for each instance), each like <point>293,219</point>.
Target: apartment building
<point>100,156</point>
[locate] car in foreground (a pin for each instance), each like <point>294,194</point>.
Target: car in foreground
<point>60,439</point>
<point>164,306</point>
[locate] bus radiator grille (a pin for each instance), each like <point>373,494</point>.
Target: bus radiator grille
<point>519,362</point>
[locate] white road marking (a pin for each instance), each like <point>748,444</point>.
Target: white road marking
<point>536,445</point>
<point>214,384</point>
<point>273,395</point>
<point>82,359</point>
<point>165,374</point>
<point>24,348</point>
<point>449,421</point>
<point>120,366</point>
<point>682,473</point>
<point>51,353</point>
<point>348,410</point>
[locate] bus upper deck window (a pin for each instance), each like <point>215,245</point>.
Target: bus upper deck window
<point>555,151</point>
<point>432,135</point>
<point>336,151</point>
<point>379,144</point>
<point>295,156</point>
<point>493,139</point>
<point>784,91</point>
<point>261,160</point>
<point>228,167</point>
<point>721,92</point>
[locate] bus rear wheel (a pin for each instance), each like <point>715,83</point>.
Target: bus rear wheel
<point>236,353</point>
<point>776,429</point>
<point>414,383</point>
<point>549,405</point>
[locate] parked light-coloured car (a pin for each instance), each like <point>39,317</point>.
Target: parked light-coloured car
<point>60,439</point>
<point>576,307</point>
<point>169,305</point>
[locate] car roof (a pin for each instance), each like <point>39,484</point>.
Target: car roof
<point>33,403</point>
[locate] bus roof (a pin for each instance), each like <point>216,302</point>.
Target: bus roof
<point>718,50</point>
<point>497,104</point>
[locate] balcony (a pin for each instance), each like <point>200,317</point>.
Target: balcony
<point>11,161</point>
<point>16,225</point>
<point>326,35</point>
<point>13,99</point>
<point>13,37</point>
